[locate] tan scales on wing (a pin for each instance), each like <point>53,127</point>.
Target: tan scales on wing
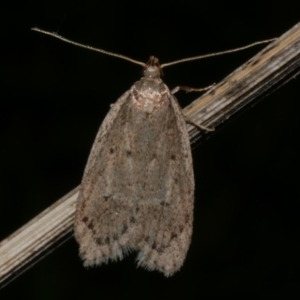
<point>138,189</point>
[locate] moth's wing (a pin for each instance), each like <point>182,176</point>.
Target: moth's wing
<point>93,226</point>
<point>138,188</point>
<point>169,226</point>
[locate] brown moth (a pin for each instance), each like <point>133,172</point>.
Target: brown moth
<point>137,191</point>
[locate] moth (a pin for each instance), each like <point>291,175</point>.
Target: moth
<point>137,191</point>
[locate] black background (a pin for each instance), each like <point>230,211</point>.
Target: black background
<point>54,97</point>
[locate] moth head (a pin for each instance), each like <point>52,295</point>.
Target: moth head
<point>152,69</point>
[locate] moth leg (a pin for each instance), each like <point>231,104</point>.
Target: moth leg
<point>200,127</point>
<point>190,89</point>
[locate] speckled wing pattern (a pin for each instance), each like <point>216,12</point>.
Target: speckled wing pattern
<point>137,191</point>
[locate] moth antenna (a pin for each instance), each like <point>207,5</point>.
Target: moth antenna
<point>88,47</point>
<point>216,53</point>
<point>143,64</point>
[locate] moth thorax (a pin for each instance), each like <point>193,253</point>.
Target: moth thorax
<point>152,72</point>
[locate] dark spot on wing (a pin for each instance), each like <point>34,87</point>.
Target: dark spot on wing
<point>85,219</point>
<point>187,218</point>
<point>99,241</point>
<point>164,203</point>
<point>106,197</point>
<point>159,250</point>
<point>181,228</point>
<point>125,228</point>
<point>90,225</point>
<point>173,236</point>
